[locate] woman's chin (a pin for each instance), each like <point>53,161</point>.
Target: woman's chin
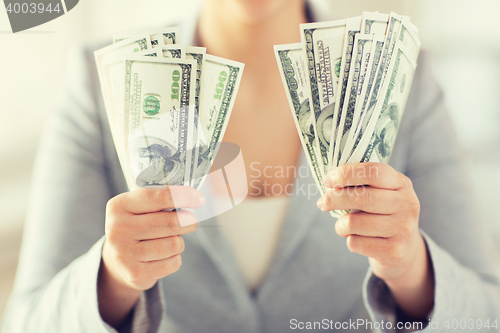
<point>257,11</point>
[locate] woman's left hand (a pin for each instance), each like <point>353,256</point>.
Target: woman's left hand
<point>384,226</point>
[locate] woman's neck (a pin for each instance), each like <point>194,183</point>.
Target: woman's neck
<point>246,32</point>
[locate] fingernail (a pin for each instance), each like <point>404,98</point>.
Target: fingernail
<point>202,199</point>
<point>320,203</point>
<point>329,182</point>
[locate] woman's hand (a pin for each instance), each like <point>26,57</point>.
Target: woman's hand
<point>143,244</point>
<point>384,228</point>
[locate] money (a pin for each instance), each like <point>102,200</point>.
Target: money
<point>390,109</point>
<point>198,54</point>
<point>353,26</point>
<point>220,81</point>
<point>150,53</point>
<point>323,44</point>
<point>158,37</point>
<point>152,88</point>
<point>356,74</point>
<point>111,77</point>
<point>361,57</point>
<point>173,51</point>
<point>159,95</point>
<point>374,23</point>
<point>293,70</point>
<point>362,116</point>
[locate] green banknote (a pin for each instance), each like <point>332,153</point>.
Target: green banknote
<point>352,29</point>
<point>198,54</point>
<point>156,53</point>
<point>360,112</point>
<point>389,111</point>
<point>220,82</point>
<point>361,58</point>
<point>159,118</point>
<point>293,70</point>
<point>393,28</point>
<point>158,37</point>
<point>176,51</point>
<point>374,23</point>
<point>111,76</point>
<point>323,44</point>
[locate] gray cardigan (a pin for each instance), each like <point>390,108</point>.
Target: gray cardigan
<point>314,278</point>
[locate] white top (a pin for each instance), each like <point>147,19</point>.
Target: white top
<point>253,229</point>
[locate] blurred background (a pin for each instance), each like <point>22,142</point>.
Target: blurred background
<point>461,35</point>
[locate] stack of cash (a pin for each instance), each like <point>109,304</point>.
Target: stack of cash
<point>347,83</point>
<point>168,106</point>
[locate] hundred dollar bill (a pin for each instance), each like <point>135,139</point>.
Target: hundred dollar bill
<point>293,70</point>
<point>393,28</point>
<point>161,36</point>
<point>409,38</point>
<point>150,53</point>
<point>159,117</point>
<point>196,53</point>
<point>390,109</point>
<point>360,111</point>
<point>352,29</point>
<point>374,23</point>
<point>389,42</point>
<point>220,82</point>
<point>176,51</point>
<point>361,58</point>
<point>323,44</point>
<point>113,53</point>
<point>111,77</point>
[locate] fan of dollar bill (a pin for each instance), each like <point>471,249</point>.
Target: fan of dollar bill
<point>347,83</point>
<point>168,105</point>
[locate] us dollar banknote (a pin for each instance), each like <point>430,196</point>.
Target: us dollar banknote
<point>367,92</point>
<point>389,42</point>
<point>361,57</point>
<point>158,37</point>
<point>197,54</point>
<point>159,115</point>
<point>390,109</point>
<point>323,44</point>
<point>157,53</point>
<point>411,45</point>
<point>152,88</point>
<point>374,23</point>
<point>220,81</point>
<point>293,70</point>
<point>353,26</point>
<point>393,28</point>
<point>175,51</point>
<point>111,77</point>
<point>361,112</point>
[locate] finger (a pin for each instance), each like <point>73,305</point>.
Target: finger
<point>378,175</point>
<point>387,251</point>
<point>158,249</point>
<point>365,198</point>
<point>160,268</point>
<point>371,247</point>
<point>365,224</point>
<point>162,224</point>
<point>143,201</point>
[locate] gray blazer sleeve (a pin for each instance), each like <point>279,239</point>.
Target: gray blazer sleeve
<point>461,249</point>
<point>56,283</point>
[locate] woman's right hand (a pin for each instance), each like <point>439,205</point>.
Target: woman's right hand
<point>143,244</point>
